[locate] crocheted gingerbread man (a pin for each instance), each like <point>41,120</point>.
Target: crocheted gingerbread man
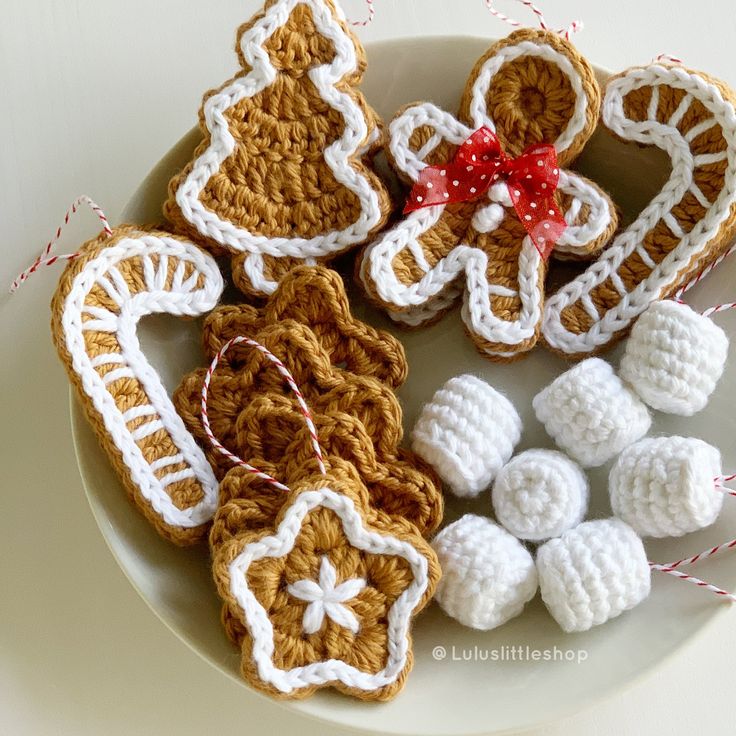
<point>530,88</point>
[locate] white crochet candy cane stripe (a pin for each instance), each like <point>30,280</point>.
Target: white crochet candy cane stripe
<point>574,27</point>
<point>44,258</point>
<point>284,371</point>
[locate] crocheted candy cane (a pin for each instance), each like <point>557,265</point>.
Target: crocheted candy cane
<point>108,286</point>
<point>467,433</point>
<point>667,486</point>
<point>529,88</point>
<point>244,567</point>
<point>683,229</point>
<point>598,570</point>
<point>591,413</point>
<point>487,575</point>
<point>540,494</point>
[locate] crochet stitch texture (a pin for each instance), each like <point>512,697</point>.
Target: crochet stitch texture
<point>530,87</point>
<point>282,176</point>
<point>101,296</point>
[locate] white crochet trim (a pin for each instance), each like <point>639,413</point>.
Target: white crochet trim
<point>413,304</point>
<point>337,156</point>
<point>467,432</point>
<point>487,575</point>
<point>693,246</point>
<point>280,544</point>
<point>540,494</point>
<point>590,413</point>
<point>593,573</point>
<point>478,108</point>
<point>665,487</point>
<point>674,358</point>
<point>185,298</point>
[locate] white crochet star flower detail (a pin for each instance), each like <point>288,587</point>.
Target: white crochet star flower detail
<point>326,599</point>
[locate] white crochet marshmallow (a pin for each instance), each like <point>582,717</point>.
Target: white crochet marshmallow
<point>467,433</point>
<point>593,573</point>
<point>665,486</point>
<point>487,575</point>
<point>540,494</point>
<point>674,358</point>
<point>590,413</point>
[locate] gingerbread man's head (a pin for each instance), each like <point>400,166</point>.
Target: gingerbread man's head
<point>530,88</point>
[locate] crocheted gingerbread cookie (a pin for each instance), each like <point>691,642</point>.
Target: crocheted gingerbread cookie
<point>492,240</point>
<point>682,230</point>
<point>279,178</point>
<point>324,594</point>
<point>102,294</point>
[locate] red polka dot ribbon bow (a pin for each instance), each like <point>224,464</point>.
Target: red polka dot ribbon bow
<point>479,163</point>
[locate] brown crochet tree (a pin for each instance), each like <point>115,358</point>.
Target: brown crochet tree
<point>278,178</point>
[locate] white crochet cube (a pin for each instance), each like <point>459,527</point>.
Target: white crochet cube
<point>487,575</point>
<point>665,486</point>
<point>467,433</point>
<point>540,494</point>
<point>590,413</point>
<point>593,573</point>
<point>674,358</point>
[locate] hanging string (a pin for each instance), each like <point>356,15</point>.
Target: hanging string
<point>574,27</point>
<point>667,57</point>
<point>672,570</point>
<point>369,19</point>
<point>303,408</point>
<point>681,291</point>
<point>45,258</point>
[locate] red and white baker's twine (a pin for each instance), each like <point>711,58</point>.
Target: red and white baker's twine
<point>718,307</point>
<point>672,570</point>
<point>303,408</point>
<point>669,58</point>
<point>371,15</point>
<point>44,258</point>
<point>574,27</point>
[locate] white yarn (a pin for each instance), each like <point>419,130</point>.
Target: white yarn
<point>467,433</point>
<point>487,575</point>
<point>593,573</point>
<point>339,155</point>
<point>674,358</point>
<point>590,413</point>
<point>693,246</point>
<point>280,544</point>
<point>417,302</point>
<point>540,494</point>
<point>191,297</point>
<point>665,486</point>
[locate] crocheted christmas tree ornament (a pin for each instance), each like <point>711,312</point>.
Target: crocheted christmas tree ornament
<point>686,226</point>
<point>279,178</point>
<point>103,292</point>
<point>530,88</point>
<point>665,486</point>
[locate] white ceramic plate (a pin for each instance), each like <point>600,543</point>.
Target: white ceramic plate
<point>451,695</point>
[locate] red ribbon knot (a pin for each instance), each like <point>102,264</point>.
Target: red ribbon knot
<point>479,163</point>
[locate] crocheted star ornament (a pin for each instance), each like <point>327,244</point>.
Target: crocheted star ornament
<point>347,372</point>
<point>280,178</point>
<point>529,89</point>
<point>111,283</point>
<point>324,592</point>
<point>686,226</point>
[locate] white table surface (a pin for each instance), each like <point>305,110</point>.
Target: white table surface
<point>93,93</point>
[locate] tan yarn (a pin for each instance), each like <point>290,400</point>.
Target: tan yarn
<point>128,393</point>
<point>276,183</point>
<point>660,240</point>
<point>531,101</point>
<point>387,577</point>
<point>358,417</point>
